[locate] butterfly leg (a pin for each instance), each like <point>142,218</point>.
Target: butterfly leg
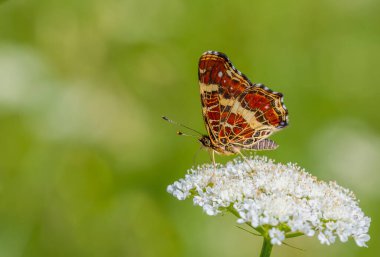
<point>213,159</point>
<point>212,156</point>
<point>246,160</point>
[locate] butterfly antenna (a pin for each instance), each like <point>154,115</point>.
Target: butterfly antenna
<point>180,133</point>
<point>181,125</point>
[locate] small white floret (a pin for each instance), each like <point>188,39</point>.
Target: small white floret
<point>277,236</point>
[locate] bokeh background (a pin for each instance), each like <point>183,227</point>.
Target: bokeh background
<point>85,158</point>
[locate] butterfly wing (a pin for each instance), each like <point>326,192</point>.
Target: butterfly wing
<point>264,112</point>
<point>220,84</point>
<point>237,113</point>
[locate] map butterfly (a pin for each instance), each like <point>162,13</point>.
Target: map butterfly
<point>238,114</point>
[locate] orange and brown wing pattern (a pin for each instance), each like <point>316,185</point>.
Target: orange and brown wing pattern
<point>238,114</point>
<point>264,111</point>
<point>220,84</point>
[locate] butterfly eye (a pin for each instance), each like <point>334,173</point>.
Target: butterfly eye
<point>205,141</point>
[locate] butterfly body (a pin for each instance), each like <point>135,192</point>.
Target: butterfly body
<point>238,114</point>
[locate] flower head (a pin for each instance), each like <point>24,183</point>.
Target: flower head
<point>277,200</point>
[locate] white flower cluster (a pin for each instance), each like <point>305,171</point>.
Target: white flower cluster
<point>281,199</point>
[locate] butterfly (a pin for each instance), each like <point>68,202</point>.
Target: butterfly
<point>238,114</point>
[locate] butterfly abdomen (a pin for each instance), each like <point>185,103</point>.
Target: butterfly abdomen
<point>265,144</point>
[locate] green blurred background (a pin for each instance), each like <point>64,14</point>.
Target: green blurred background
<point>85,158</point>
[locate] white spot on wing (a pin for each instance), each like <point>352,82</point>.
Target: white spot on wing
<point>220,74</point>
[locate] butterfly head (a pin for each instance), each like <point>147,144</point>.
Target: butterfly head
<point>205,141</point>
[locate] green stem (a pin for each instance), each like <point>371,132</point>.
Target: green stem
<point>295,234</point>
<point>267,247</point>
